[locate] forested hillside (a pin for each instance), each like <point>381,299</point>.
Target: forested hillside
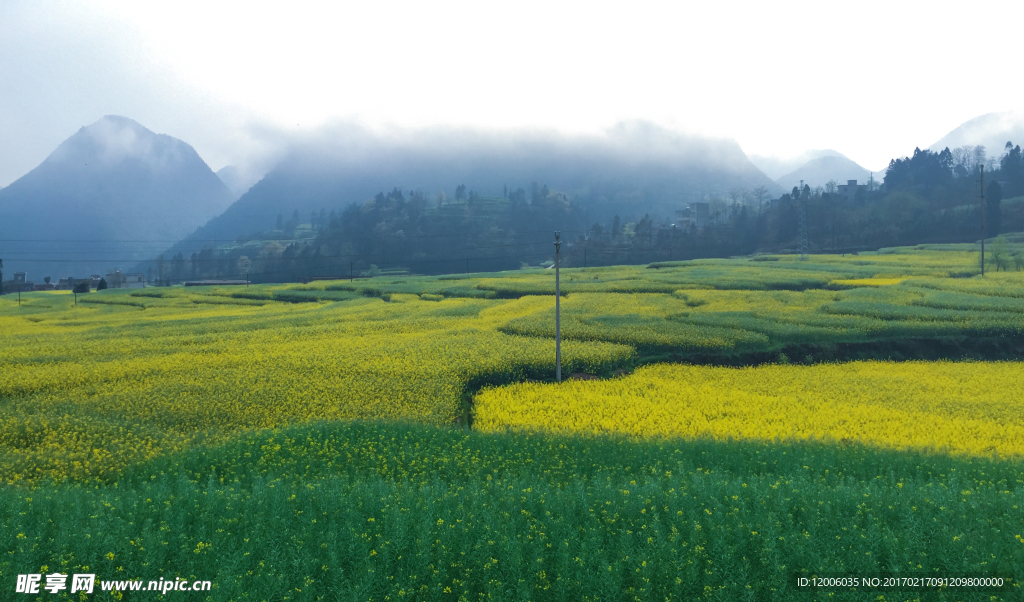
<point>928,197</point>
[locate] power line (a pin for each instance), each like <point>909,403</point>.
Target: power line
<point>221,259</point>
<point>227,240</point>
<point>313,240</point>
<point>600,249</point>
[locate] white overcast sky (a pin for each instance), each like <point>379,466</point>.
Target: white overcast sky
<point>869,79</point>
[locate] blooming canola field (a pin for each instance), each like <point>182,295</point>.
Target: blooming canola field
<point>89,391</point>
<point>972,408</point>
<point>728,425</point>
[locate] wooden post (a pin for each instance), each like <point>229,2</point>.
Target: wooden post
<point>981,195</point>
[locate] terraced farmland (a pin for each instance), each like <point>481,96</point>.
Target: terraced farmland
<point>400,437</point>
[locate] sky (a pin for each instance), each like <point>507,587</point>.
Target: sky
<point>238,80</point>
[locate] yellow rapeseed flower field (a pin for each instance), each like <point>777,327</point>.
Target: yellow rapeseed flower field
<point>126,376</point>
<point>971,408</point>
<point>89,391</point>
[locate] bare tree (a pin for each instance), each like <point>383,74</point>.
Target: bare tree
<point>963,159</point>
<point>244,264</point>
<point>717,207</point>
<point>979,155</point>
<point>831,187</point>
<point>759,194</point>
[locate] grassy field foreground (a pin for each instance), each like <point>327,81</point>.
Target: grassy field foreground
<point>378,512</point>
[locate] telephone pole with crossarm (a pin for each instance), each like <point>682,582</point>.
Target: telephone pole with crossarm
<point>558,323</point>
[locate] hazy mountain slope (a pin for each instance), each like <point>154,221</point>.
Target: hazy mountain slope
<point>109,195</point>
<point>237,180</point>
<point>635,168</point>
<point>230,176</point>
<point>992,130</point>
<point>817,172</point>
<point>776,167</point>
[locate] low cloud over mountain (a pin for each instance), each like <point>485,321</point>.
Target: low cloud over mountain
<point>992,130</point>
<point>632,169</point>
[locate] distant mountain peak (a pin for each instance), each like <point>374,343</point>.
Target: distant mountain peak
<point>113,182</point>
<point>776,167</point>
<point>114,138</point>
<point>818,171</point>
<point>991,130</point>
<point>122,121</point>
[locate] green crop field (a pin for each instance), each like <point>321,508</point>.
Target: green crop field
<point>744,422</point>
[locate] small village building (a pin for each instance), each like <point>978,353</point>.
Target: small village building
<point>849,190</point>
<point>20,283</point>
<point>694,216</point>
<point>117,279</point>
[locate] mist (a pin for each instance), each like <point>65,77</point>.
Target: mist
<point>632,169</point>
<point>992,131</point>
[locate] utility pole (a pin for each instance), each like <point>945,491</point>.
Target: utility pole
<point>672,243</point>
<point>981,197</point>
<point>802,241</point>
<point>558,317</point>
<point>833,201</point>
